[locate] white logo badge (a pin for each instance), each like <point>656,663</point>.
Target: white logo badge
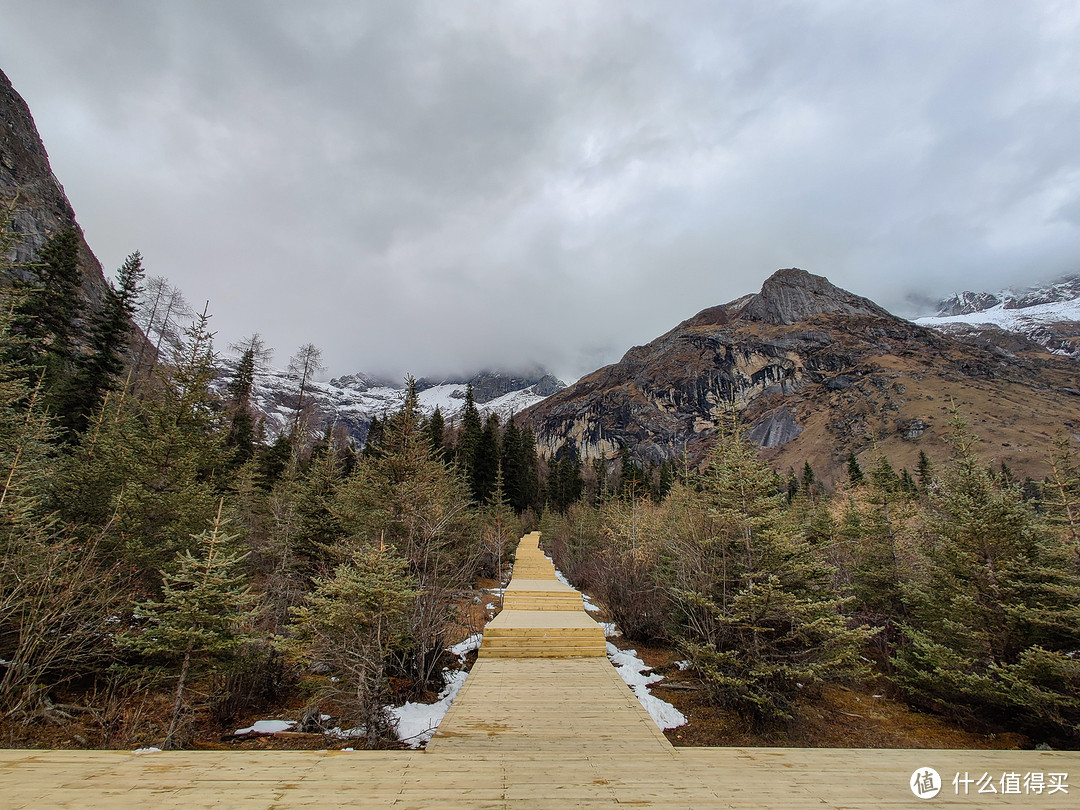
<point>925,783</point>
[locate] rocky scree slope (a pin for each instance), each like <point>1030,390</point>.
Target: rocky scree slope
<point>816,373</point>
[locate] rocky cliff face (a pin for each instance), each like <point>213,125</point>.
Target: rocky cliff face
<point>40,206</point>
<point>816,372</point>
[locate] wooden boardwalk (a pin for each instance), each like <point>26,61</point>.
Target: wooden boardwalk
<point>556,731</point>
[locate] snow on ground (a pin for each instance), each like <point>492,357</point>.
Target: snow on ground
<point>150,750</point>
<point>559,576</point>
<point>589,606</point>
<point>610,630</point>
<point>416,722</point>
<point>638,676</point>
<point>266,727</point>
<point>463,648</point>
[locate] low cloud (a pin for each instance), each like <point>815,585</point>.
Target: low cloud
<point>425,186</point>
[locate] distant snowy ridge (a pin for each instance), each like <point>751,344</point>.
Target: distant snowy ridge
<point>1048,315</point>
<point>354,400</point>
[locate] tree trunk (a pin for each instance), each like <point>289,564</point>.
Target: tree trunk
<point>178,704</point>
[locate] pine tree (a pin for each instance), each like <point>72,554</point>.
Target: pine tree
<point>55,593</point>
<point>151,466</point>
<point>528,495</point>
<point>510,465</point>
<point>97,372</point>
<point>1063,495</point>
<point>241,437</point>
<point>469,440</point>
<point>485,464</point>
<point>405,499</point>
<point>45,317</point>
<point>437,429</point>
<point>753,608</point>
<point>356,621</point>
<point>198,625</point>
<point>854,471</point>
<point>995,618</point>
<point>924,471</point>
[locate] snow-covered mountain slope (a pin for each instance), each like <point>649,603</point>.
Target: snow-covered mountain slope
<point>354,400</point>
<point>1047,315</point>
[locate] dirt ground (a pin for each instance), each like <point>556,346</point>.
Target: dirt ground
<point>859,716</point>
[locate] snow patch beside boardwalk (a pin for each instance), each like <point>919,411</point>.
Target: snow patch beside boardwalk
<point>638,676</point>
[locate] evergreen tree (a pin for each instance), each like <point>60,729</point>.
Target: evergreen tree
<point>510,465</point>
<point>355,621</point>
<point>995,618</point>
<point>632,480</point>
<point>374,437</point>
<point>1063,495</point>
<point>97,372</point>
<point>151,469</point>
<point>753,608</point>
<point>407,500</point>
<point>527,494</point>
<point>241,437</point>
<point>45,317</point>
<point>198,625</point>
<point>924,471</point>
<point>485,464</point>
<point>854,471</point>
<point>437,429</point>
<point>666,478</point>
<point>565,485</point>
<point>469,440</point>
<point>55,594</point>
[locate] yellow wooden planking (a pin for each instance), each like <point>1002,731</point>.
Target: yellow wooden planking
<point>524,732</point>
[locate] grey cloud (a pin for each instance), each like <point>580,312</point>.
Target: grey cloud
<point>426,186</point>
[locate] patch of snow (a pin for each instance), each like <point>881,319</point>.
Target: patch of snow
<point>151,750</point>
<point>266,727</point>
<point>559,576</point>
<point>683,665</point>
<point>416,722</point>
<point>638,676</point>
<point>589,606</point>
<point>490,606</point>
<point>463,648</point>
<point>610,630</point>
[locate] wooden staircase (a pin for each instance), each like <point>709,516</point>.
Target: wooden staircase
<point>541,617</point>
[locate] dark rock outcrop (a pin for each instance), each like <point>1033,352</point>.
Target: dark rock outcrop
<point>793,295</point>
<point>41,208</point>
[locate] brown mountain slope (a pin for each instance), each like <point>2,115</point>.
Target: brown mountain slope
<point>41,206</point>
<point>817,373</point>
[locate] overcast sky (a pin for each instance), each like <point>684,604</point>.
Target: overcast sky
<point>439,186</point>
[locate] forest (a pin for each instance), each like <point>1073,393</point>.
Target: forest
<point>167,566</point>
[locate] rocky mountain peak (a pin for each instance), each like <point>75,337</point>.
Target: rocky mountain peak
<point>793,295</point>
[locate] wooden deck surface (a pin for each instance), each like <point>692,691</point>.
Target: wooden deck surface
<point>538,733</point>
